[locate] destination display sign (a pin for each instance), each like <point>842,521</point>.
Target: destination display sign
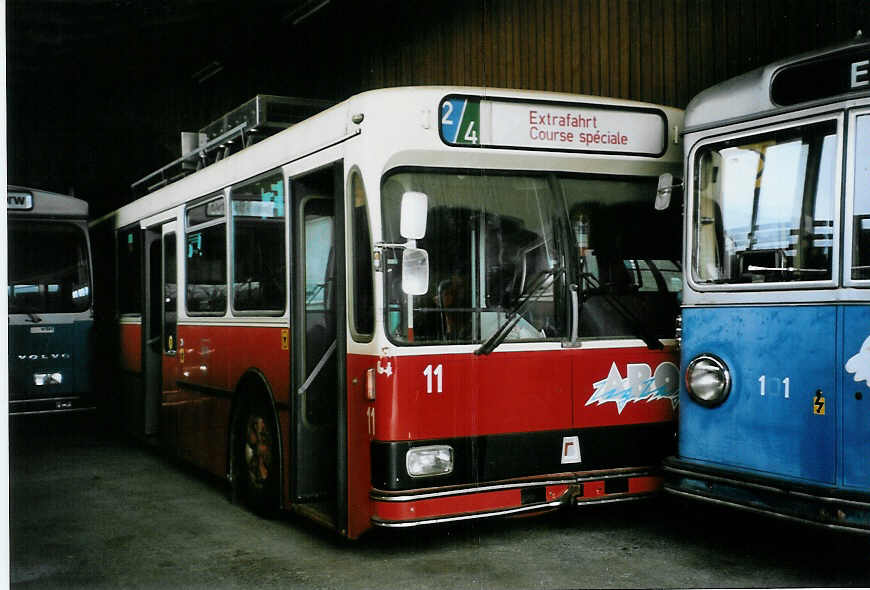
<point>19,201</point>
<point>477,122</point>
<point>837,74</point>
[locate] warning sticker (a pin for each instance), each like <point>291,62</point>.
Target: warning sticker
<point>819,404</point>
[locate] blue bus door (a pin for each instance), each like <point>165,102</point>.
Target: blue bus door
<point>856,396</point>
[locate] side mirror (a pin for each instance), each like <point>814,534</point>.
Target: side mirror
<point>667,184</point>
<point>415,271</point>
<point>412,224</point>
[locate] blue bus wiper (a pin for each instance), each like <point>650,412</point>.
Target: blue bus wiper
<point>29,311</point>
<point>754,268</point>
<point>544,278</point>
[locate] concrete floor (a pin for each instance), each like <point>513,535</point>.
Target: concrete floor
<point>90,510</point>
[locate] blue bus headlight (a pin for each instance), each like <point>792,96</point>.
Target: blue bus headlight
<point>47,378</point>
<point>429,460</point>
<point>708,380</point>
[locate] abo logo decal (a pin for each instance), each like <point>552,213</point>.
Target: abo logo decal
<point>641,384</point>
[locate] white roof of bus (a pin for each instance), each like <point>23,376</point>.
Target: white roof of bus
<point>327,128</point>
<point>50,204</point>
<point>748,95</point>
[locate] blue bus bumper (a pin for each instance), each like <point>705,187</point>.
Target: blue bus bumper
<point>823,506</point>
<point>20,406</point>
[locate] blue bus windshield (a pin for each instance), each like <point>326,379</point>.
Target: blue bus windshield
<point>48,268</point>
<point>764,207</point>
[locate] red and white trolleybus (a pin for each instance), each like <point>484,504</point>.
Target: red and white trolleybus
<point>416,306</point>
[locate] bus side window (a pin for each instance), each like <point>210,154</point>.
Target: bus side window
<point>129,270</point>
<point>259,264</point>
<point>363,307</point>
<point>205,256</point>
<point>709,254</point>
<point>170,293</point>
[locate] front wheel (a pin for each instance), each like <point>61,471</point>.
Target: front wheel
<point>258,457</point>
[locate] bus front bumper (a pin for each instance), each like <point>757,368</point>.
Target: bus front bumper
<point>508,498</point>
<point>22,406</point>
<point>817,505</point>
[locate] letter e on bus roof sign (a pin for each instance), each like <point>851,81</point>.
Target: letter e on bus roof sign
<point>832,75</point>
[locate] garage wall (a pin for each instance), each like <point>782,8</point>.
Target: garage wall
<point>655,50</point>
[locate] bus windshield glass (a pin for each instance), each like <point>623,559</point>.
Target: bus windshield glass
<point>764,207</point>
<point>491,243</point>
<point>498,245</point>
<point>48,268</point>
<point>628,255</point>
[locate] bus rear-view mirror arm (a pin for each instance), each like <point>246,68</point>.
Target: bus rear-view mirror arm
<point>664,192</point>
<point>415,266</point>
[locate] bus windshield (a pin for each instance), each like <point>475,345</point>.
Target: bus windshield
<point>497,245</point>
<point>628,256</point>
<point>48,267</point>
<point>488,237</point>
<point>764,207</point>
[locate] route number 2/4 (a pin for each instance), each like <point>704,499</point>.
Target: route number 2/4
<point>457,109</point>
<point>438,372</point>
<point>785,382</point>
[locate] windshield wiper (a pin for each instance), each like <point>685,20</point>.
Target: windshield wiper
<point>542,280</point>
<point>638,325</point>
<point>29,311</point>
<point>753,268</point>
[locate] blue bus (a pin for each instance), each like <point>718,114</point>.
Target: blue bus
<point>50,303</point>
<point>775,351</point>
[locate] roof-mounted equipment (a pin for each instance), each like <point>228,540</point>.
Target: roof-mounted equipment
<point>256,119</point>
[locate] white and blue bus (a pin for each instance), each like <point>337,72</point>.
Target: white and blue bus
<point>50,303</point>
<point>775,403</point>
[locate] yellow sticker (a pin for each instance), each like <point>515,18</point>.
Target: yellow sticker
<point>819,404</point>
<point>285,339</point>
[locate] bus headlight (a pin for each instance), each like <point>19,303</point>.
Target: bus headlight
<point>708,380</point>
<point>430,460</point>
<point>47,378</point>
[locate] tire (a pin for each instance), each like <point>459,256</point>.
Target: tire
<point>258,453</point>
